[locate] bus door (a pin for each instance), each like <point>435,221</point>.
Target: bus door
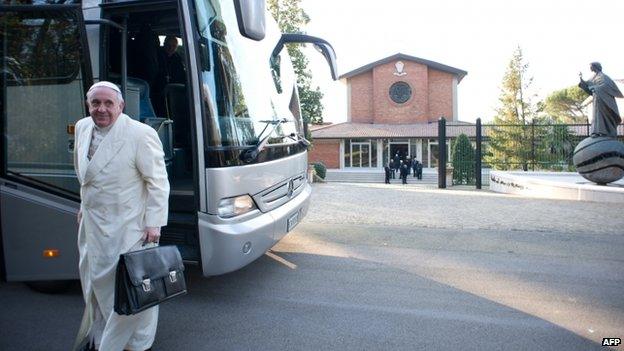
<point>158,70</point>
<point>45,75</point>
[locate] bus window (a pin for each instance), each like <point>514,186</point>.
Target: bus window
<point>44,94</point>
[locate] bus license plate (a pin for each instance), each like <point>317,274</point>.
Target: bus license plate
<point>292,221</point>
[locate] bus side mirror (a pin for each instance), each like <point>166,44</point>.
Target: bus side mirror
<point>251,16</point>
<point>330,55</point>
<point>321,45</point>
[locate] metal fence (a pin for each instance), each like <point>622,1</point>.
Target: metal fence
<point>523,147</point>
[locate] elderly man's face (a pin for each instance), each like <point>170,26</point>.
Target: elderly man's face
<point>104,106</point>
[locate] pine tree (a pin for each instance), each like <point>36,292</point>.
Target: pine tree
<point>510,144</point>
<point>291,18</point>
<point>566,105</point>
<point>463,156</point>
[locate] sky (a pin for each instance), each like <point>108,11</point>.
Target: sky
<point>558,39</point>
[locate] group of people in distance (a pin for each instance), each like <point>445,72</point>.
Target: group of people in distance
<point>403,167</point>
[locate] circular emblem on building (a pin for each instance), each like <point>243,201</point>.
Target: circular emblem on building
<point>400,92</point>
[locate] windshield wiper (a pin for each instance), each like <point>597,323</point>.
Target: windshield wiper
<point>250,155</point>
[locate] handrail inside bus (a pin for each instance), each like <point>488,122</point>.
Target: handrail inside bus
<point>124,53</point>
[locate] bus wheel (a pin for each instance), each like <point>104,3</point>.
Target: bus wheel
<point>50,286</point>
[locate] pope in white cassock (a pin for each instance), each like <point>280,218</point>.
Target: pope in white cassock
<point>124,191</point>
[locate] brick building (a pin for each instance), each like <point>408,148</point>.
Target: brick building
<point>393,107</point>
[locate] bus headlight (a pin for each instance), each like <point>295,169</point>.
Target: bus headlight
<point>235,206</point>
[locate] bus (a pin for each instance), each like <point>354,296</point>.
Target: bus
<point>230,124</point>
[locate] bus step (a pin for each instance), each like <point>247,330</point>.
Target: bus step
<point>179,235</point>
<point>182,219</point>
<point>181,230</point>
<point>182,203</point>
<point>188,252</point>
<point>186,242</point>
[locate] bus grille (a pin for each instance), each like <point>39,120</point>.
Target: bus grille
<point>280,193</point>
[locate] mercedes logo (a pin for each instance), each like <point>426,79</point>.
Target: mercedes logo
<point>290,188</point>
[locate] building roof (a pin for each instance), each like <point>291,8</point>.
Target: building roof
<point>368,130</point>
<point>314,127</point>
<point>432,64</point>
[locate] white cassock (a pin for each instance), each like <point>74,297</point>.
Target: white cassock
<point>124,188</point>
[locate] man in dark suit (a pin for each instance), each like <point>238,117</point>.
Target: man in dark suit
<point>404,171</point>
<point>171,63</point>
<point>418,170</point>
<point>388,171</point>
<point>396,162</point>
<point>171,70</point>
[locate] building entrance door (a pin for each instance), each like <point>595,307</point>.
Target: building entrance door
<point>402,149</point>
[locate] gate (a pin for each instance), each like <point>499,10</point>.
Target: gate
<point>476,149</point>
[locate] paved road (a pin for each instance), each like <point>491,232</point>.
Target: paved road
<point>378,267</point>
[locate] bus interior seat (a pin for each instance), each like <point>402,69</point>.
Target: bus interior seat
<point>132,98</point>
<point>146,109</point>
<point>138,103</point>
<point>163,127</point>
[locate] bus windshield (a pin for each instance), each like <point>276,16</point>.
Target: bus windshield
<point>239,92</point>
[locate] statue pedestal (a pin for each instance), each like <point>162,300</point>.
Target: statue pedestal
<point>311,173</point>
<point>600,159</point>
<point>555,185</point>
<point>448,175</point>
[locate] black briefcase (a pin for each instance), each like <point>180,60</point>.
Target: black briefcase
<point>148,277</point>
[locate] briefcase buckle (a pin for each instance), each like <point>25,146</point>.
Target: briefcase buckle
<point>173,276</point>
<point>147,285</point>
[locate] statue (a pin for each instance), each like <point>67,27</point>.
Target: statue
<point>600,157</point>
<point>604,91</point>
